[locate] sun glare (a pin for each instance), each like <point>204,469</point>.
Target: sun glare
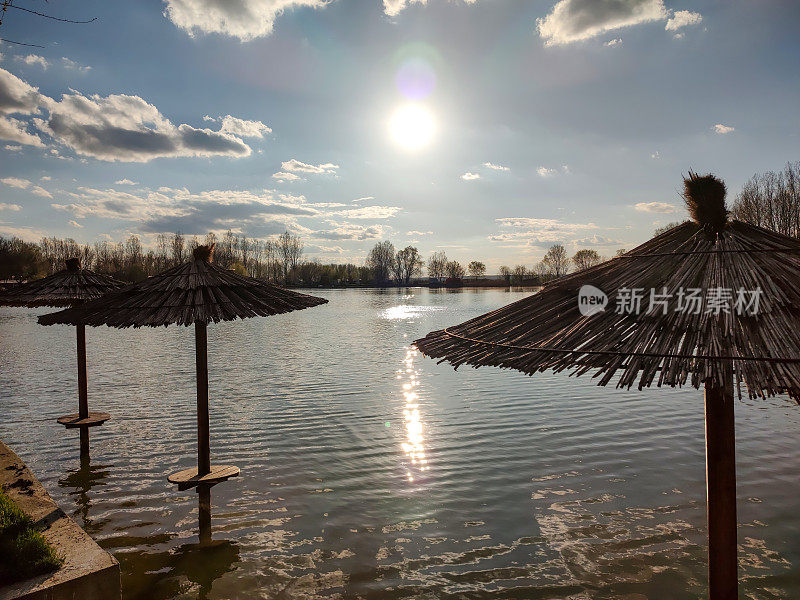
<point>412,126</point>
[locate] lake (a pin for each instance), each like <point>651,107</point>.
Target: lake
<point>369,471</point>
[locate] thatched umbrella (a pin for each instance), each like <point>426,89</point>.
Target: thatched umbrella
<point>71,287</point>
<point>745,329</point>
<point>196,292</point>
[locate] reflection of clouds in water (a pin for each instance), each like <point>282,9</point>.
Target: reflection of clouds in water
<point>414,444</point>
<point>406,312</point>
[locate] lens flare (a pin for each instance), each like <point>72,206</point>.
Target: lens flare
<point>412,126</point>
<point>415,79</point>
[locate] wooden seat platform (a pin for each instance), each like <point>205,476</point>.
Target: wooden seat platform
<point>74,420</point>
<point>188,477</point>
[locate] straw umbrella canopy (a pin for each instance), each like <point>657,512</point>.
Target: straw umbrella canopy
<point>718,305</point>
<point>196,293</point>
<point>71,286</point>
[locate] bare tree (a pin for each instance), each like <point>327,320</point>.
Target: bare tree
<point>506,273</point>
<point>585,259</point>
<point>177,247</point>
<point>407,263</point>
<point>771,200</point>
<point>437,264</point>
<point>454,270</point>
<point>289,249</point>
<point>556,261</point>
<point>518,274</point>
<point>476,269</point>
<point>381,260</point>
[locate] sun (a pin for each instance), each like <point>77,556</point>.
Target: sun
<point>412,126</point>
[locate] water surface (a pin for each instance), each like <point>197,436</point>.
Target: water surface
<point>369,471</point>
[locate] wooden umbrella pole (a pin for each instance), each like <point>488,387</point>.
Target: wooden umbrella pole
<point>83,394</point>
<point>203,432</point>
<point>721,491</point>
<point>204,511</point>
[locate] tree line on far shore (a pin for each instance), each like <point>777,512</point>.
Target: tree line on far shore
<point>770,200</point>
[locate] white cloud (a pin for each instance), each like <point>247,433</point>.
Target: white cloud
<point>655,155</point>
<point>76,224</point>
<point>655,207</point>
<point>682,18</point>
<point>243,19</point>
<point>34,59</point>
<point>15,182</point>
<point>125,182</point>
<point>126,128</point>
<point>526,232</point>
<point>293,166</point>
<point>495,167</point>
<point>12,207</point>
<point>419,233</point>
<point>392,8</point>
<point>470,176</point>
<point>363,199</point>
<point>241,127</point>
<point>614,42</point>
<point>575,20</point>
<point>16,96</point>
<point>281,176</point>
<point>12,147</point>
<point>722,129</point>
<point>370,212</point>
<point>678,36</point>
<point>40,191</point>
<point>597,240</point>
<point>545,172</point>
<point>348,231</point>
<point>14,130</point>
<point>46,178</point>
<point>74,66</point>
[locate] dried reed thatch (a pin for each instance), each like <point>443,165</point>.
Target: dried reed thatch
<point>73,285</point>
<point>195,291</point>
<point>547,330</point>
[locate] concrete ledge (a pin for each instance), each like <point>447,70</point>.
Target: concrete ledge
<point>88,573</point>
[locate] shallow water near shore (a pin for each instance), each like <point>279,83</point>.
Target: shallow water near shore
<point>369,471</point>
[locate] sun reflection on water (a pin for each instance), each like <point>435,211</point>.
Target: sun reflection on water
<point>414,444</point>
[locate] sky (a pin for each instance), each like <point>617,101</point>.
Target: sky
<point>490,129</point>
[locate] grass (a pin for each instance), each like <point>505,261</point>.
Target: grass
<point>24,553</point>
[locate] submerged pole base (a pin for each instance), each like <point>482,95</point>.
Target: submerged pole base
<point>93,419</point>
<point>189,478</point>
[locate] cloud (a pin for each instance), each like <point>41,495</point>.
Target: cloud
<point>495,167</point>
<point>125,182</point>
<point>293,165</point>
<point>10,147</point>
<point>40,191</point>
<point>33,59</point>
<point>370,212</point>
<point>76,224</point>
<point>722,129</point>
<point>126,128</point>
<point>597,240</point>
<point>241,127</point>
<point>14,130</point>
<point>348,231</point>
<point>281,176</point>
<point>170,209</point>
<point>545,172</point>
<point>419,233</point>
<point>15,182</point>
<point>536,232</point>
<point>16,96</point>
<point>392,8</point>
<point>243,19</point>
<point>12,207</point>
<point>655,207</point>
<point>74,66</point>
<point>614,42</point>
<point>575,20</point>
<point>682,18</point>
<point>363,199</point>
<point>470,176</point>
<point>46,178</point>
